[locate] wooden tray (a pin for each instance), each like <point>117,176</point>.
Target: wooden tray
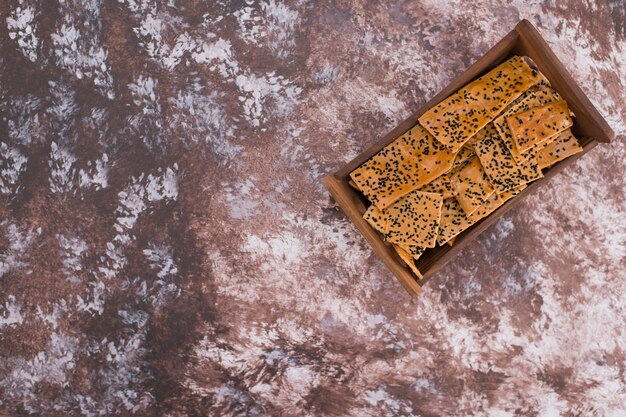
<point>590,128</point>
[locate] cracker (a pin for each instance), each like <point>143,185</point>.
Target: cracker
<point>387,176</point>
<point>432,157</point>
<point>409,260</point>
<point>440,185</point>
<point>538,124</point>
<point>564,145</point>
<point>503,171</point>
<point>538,95</point>
<point>463,156</point>
<point>409,162</point>
<point>471,186</point>
<point>507,195</point>
<point>414,220</point>
<point>414,250</point>
<point>454,221</point>
<point>455,119</point>
<point>376,218</point>
<point>500,86</point>
<point>486,208</point>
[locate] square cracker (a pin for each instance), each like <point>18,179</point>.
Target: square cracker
<point>538,124</point>
<point>414,220</point>
<point>471,186</point>
<point>455,119</point>
<point>378,220</point>
<point>538,95</point>
<point>387,176</point>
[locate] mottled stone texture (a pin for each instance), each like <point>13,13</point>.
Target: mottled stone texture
<point>168,249</point>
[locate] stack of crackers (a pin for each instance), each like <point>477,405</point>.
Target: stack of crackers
<point>467,156</point>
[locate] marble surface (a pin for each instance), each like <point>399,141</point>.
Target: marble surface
<point>167,247</point>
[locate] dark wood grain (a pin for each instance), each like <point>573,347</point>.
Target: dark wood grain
<point>589,127</point>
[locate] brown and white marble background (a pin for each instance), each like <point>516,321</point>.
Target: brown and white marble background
<point>168,249</point>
